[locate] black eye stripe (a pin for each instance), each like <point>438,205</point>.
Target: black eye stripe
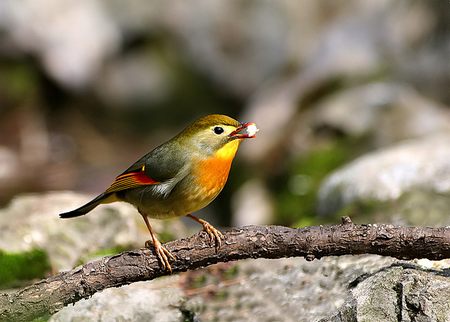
<point>218,130</point>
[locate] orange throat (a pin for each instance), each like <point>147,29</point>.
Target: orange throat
<point>212,173</point>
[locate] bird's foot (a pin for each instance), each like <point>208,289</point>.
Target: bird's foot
<point>162,253</point>
<point>214,234</point>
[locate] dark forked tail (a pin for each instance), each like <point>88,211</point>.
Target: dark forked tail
<point>83,210</point>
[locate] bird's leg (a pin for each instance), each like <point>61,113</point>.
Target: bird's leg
<point>213,233</point>
<point>162,253</point>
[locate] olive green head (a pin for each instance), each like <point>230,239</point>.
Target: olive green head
<point>212,132</point>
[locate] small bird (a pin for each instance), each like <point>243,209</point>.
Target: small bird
<point>179,177</point>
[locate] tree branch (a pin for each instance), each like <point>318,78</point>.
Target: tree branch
<point>50,295</point>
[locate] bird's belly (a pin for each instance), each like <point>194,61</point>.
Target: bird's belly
<point>193,193</point>
<point>186,198</point>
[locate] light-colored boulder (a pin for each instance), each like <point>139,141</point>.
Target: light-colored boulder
<point>384,112</point>
<point>32,221</point>
<point>388,174</point>
<point>137,302</point>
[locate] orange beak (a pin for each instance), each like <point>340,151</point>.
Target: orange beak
<point>244,131</point>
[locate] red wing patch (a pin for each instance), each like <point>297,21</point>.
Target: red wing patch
<point>131,180</point>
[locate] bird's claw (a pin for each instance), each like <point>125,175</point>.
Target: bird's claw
<point>214,234</point>
<point>162,253</point>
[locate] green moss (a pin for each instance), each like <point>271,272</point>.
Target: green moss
<point>199,281</point>
<point>296,200</point>
<point>221,295</point>
<point>44,318</point>
<point>18,81</point>
<point>19,267</point>
<point>165,235</point>
<point>231,272</point>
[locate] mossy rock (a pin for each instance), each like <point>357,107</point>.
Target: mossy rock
<point>17,268</point>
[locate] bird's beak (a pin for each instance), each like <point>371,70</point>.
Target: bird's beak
<point>244,131</point>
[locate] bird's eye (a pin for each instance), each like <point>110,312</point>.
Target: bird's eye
<point>218,130</point>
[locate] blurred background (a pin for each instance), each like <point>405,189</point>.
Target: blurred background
<point>351,97</point>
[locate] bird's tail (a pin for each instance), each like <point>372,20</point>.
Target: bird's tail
<point>83,210</point>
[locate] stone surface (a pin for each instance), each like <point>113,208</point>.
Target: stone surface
<point>389,174</point>
<point>32,221</point>
<point>349,47</point>
<point>8,164</point>
<point>60,34</point>
<point>386,112</point>
<point>142,301</point>
<point>252,205</point>
<point>346,288</point>
<point>283,290</point>
<point>9,170</point>
<point>398,293</point>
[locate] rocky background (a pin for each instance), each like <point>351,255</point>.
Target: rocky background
<point>352,99</point>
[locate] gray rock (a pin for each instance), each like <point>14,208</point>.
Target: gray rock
<point>32,221</point>
<point>388,174</point>
<point>142,301</point>
<point>138,77</point>
<point>9,171</point>
<point>60,34</point>
<point>398,293</point>
<point>387,112</point>
<point>285,290</point>
<point>252,204</point>
<point>345,288</point>
<point>355,39</point>
<point>8,164</point>
<point>350,46</point>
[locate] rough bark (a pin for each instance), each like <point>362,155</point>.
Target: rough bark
<point>50,295</point>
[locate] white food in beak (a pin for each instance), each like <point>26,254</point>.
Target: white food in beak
<point>252,129</point>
